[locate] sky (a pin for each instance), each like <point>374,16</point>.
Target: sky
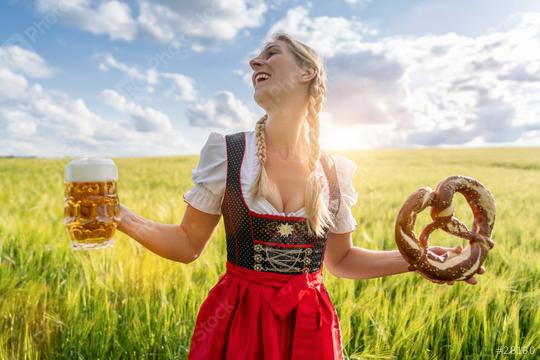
<point>149,78</point>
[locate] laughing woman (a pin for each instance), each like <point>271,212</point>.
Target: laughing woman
<point>286,206</point>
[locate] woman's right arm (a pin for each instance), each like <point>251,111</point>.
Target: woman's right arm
<point>183,242</point>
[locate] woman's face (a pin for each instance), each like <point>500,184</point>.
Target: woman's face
<point>280,73</point>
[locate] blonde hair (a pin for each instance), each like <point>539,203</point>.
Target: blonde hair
<point>317,213</point>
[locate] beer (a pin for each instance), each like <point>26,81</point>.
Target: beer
<point>91,204</point>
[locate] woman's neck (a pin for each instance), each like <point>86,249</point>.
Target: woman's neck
<point>287,134</point>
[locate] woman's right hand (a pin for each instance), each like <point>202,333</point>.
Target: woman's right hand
<point>439,250</point>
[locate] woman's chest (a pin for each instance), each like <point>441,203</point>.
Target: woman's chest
<point>288,181</point>
<point>288,177</point>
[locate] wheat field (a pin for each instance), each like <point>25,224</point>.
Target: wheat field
<point>126,302</point>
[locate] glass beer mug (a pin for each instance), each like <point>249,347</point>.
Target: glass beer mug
<point>91,204</point>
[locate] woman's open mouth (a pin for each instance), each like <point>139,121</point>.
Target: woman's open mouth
<point>261,77</point>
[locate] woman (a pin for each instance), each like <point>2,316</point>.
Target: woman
<point>271,303</point>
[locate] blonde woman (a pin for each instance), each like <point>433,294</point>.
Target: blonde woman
<point>286,206</point>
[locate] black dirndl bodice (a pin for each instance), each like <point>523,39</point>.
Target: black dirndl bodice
<point>267,242</point>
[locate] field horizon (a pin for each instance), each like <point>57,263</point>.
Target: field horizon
<point>382,149</point>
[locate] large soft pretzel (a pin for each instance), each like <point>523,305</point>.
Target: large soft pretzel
<point>450,266</point>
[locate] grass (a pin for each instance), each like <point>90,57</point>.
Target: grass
<point>126,302</point>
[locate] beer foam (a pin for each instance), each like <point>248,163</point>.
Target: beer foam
<point>90,169</point>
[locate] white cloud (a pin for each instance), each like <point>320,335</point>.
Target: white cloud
<point>40,122</point>
<point>327,35</point>
<point>461,88</point>
<point>155,20</point>
<point>145,118</point>
<point>358,3</point>
<point>109,17</point>
<point>364,88</point>
<point>429,90</point>
<point>245,75</point>
<point>222,110</point>
<point>202,21</point>
<point>183,86</point>
<point>21,60</point>
<point>528,138</point>
<point>12,86</point>
<point>109,62</point>
<point>19,123</point>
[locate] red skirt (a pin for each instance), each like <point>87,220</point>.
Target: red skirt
<point>251,314</point>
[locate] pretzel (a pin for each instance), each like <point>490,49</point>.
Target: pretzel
<point>450,266</point>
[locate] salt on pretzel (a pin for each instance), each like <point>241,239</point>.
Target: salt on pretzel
<point>450,266</point>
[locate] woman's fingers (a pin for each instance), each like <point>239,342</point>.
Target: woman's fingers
<point>441,250</point>
<point>471,281</point>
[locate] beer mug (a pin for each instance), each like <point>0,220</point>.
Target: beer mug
<point>91,204</point>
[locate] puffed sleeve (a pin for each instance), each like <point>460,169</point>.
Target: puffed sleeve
<point>345,169</point>
<point>209,176</point>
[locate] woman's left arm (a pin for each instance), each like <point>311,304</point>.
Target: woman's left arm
<point>344,260</point>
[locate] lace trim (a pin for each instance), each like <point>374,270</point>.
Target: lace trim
<point>287,260</point>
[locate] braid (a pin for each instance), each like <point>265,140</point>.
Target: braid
<point>261,139</point>
<point>317,212</point>
<point>262,184</point>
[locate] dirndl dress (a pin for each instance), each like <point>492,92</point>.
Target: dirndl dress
<point>271,302</point>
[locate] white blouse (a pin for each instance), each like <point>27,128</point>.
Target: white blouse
<point>210,175</point>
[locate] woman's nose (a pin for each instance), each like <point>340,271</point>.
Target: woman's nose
<point>255,62</point>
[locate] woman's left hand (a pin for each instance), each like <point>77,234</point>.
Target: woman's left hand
<point>440,250</point>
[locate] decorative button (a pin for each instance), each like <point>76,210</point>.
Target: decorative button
<point>305,270</point>
<point>308,251</point>
<point>258,247</point>
<point>258,267</point>
<point>258,257</point>
<point>307,261</point>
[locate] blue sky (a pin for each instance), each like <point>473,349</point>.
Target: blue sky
<point>138,78</point>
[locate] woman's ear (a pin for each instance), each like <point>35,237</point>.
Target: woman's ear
<point>308,74</point>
